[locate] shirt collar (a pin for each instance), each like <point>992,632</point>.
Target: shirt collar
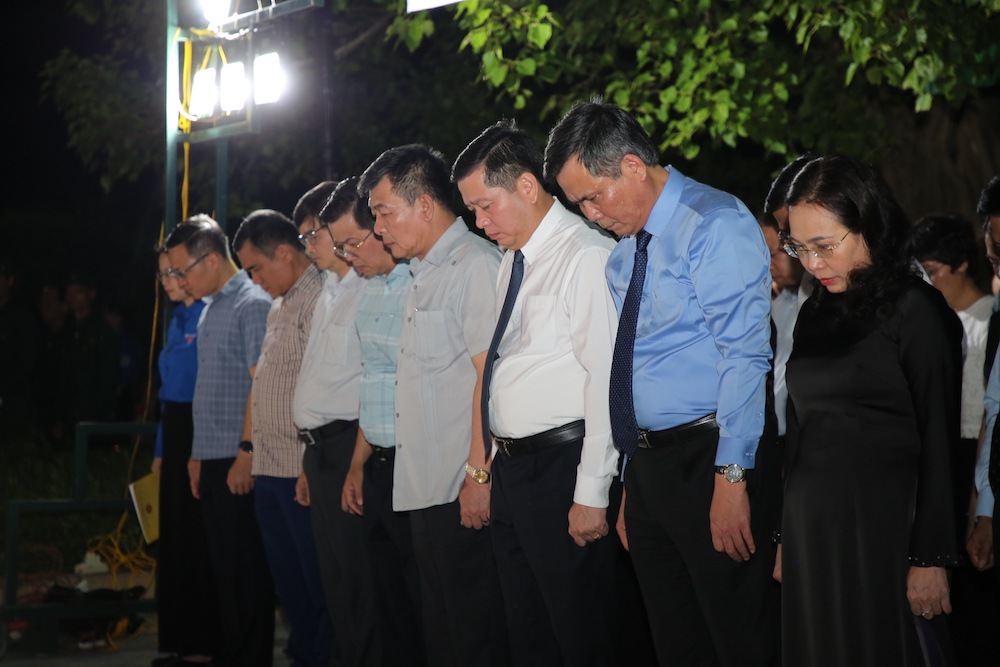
<point>439,252</point>
<point>539,239</point>
<point>233,285</point>
<point>399,273</point>
<point>665,204</point>
<point>309,277</point>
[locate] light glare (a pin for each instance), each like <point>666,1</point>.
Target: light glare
<point>268,79</point>
<point>204,93</point>
<point>233,87</point>
<point>216,11</point>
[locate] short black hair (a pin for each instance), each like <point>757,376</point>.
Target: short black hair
<point>506,152</point>
<point>989,198</point>
<point>312,202</point>
<point>948,239</point>
<point>413,170</point>
<point>345,199</point>
<point>200,235</point>
<point>599,134</point>
<point>266,230</point>
<point>777,195</point>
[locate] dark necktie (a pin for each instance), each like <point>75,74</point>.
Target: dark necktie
<point>624,428</point>
<point>516,275</point>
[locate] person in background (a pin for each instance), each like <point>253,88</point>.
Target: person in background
<point>947,248</point>
<point>17,355</point>
<point>786,279</point>
<point>187,609</point>
<point>983,542</point>
<point>92,357</point>
<point>50,390</point>
<point>874,387</point>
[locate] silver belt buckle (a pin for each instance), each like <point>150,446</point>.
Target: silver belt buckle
<point>307,436</point>
<point>644,438</point>
<point>503,444</point>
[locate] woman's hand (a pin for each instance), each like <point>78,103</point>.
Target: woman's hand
<point>927,591</point>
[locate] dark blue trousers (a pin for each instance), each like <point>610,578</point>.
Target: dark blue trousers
<point>286,529</point>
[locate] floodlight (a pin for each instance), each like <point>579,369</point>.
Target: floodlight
<point>232,87</point>
<point>204,93</point>
<point>268,79</point>
<point>216,11</point>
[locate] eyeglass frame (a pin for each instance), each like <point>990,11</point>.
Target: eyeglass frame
<point>310,236</point>
<point>181,274</point>
<point>344,253</point>
<point>791,247</point>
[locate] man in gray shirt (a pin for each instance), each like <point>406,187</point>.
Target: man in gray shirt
<point>448,320</point>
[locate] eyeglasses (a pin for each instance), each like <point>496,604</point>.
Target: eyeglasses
<point>164,276</point>
<point>310,236</point>
<point>181,274</point>
<point>342,248</point>
<point>798,250</point>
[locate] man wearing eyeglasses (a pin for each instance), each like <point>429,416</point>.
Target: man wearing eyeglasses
<point>325,406</point>
<point>688,390</point>
<point>367,489</point>
<point>230,334</point>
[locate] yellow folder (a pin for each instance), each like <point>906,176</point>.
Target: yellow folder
<point>146,498</point>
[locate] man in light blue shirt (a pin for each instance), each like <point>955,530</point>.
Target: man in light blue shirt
<point>690,410</point>
<point>984,541</point>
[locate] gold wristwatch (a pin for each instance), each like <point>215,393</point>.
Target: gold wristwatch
<point>478,475</point>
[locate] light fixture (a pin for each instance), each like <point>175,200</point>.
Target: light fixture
<point>268,79</point>
<point>204,93</point>
<point>232,87</point>
<point>216,11</point>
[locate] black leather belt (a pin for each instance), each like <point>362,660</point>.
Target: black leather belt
<point>533,443</point>
<point>311,436</point>
<point>383,454</point>
<point>677,435</point>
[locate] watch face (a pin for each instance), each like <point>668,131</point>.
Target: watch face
<point>481,476</point>
<point>734,473</point>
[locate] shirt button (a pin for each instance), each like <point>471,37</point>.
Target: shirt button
<point>397,414</point>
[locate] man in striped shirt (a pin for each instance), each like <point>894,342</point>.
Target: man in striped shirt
<point>267,244</point>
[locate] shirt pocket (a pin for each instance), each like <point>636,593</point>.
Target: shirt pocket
<point>430,337</point>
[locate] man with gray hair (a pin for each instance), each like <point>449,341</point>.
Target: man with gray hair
<point>688,393</point>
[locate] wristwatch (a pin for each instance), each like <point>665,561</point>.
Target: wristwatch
<point>732,472</point>
<point>246,446</point>
<point>478,475</point>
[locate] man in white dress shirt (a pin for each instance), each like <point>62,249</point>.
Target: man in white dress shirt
<point>326,414</point>
<point>553,459</point>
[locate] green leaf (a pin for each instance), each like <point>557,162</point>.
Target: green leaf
<point>539,34</point>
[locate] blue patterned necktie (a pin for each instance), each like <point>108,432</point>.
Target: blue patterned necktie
<point>516,275</point>
<point>624,428</point>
